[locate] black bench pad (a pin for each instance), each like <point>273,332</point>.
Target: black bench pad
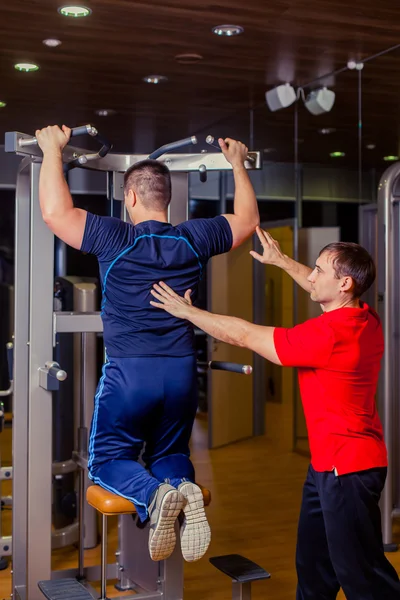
<point>239,568</point>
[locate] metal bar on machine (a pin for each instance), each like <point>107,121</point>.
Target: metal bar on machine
<point>73,322</point>
<point>213,161</point>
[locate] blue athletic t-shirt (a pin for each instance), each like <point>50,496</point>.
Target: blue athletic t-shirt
<point>133,258</point>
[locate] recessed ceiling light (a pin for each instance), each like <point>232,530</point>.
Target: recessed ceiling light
<point>371,146</point>
<point>52,42</point>
<point>74,11</point>
<point>337,154</point>
<point>105,112</point>
<point>228,30</point>
<point>390,158</point>
<point>2,104</point>
<point>327,130</point>
<point>188,58</point>
<point>155,79</point>
<point>26,67</point>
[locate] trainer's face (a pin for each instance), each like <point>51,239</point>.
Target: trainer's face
<point>326,287</point>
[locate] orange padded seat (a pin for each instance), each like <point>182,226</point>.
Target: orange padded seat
<point>110,504</point>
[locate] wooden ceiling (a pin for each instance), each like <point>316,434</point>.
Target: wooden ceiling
<point>104,57</point>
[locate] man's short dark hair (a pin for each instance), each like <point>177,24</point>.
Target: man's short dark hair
<point>151,181</point>
<point>352,260</point>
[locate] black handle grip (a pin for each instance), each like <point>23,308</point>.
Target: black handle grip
<point>173,146</point>
<point>229,366</point>
<point>82,130</point>
<point>10,360</point>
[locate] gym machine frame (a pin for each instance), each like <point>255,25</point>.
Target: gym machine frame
<point>386,251</point>
<point>36,326</point>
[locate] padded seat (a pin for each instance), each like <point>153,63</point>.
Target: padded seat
<point>110,504</point>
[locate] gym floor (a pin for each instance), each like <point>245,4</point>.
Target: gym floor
<point>256,490</point>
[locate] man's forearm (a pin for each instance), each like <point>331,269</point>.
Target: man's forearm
<point>237,332</point>
<point>297,271</point>
<point>54,195</point>
<point>245,201</point>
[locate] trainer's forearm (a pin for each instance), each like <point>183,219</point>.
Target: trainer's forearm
<point>237,332</point>
<point>245,201</point>
<point>54,195</point>
<point>297,271</point>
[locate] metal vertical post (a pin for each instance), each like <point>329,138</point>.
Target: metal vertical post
<point>21,378</point>
<point>386,304</point>
<point>85,371</point>
<point>40,400</point>
<point>179,205</point>
<point>298,223</point>
<point>104,559</point>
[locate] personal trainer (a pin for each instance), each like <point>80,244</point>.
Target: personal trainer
<point>338,356</point>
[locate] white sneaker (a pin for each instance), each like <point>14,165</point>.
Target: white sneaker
<point>163,511</point>
<point>195,530</point>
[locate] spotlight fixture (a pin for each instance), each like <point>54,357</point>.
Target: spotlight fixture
<point>188,58</point>
<point>26,67</point>
<point>390,158</point>
<point>326,130</point>
<point>337,154</point>
<point>2,104</point>
<point>352,64</point>
<point>280,97</point>
<point>74,11</point>
<point>105,112</point>
<point>228,30</point>
<point>52,42</point>
<point>155,79</point>
<point>320,101</point>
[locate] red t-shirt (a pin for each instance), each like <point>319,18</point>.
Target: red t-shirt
<point>338,355</point>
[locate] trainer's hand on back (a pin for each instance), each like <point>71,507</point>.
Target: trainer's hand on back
<point>170,301</point>
<point>272,254</point>
<point>52,139</point>
<point>235,152</point>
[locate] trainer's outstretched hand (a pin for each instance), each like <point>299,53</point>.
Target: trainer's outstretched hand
<point>272,253</point>
<point>170,301</point>
<point>52,139</point>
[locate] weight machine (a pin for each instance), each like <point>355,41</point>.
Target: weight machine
<point>380,235</point>
<point>36,374</point>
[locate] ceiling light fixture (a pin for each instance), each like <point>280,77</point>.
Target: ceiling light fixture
<point>320,101</point>
<point>155,79</point>
<point>326,130</point>
<point>337,154</point>
<point>390,158</point>
<point>228,30</point>
<point>371,146</point>
<point>280,97</point>
<point>188,58</point>
<point>26,67</point>
<point>74,11</point>
<point>105,112</point>
<point>2,104</point>
<point>52,42</point>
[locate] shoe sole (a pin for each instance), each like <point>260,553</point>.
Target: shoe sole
<point>163,540</point>
<point>195,530</point>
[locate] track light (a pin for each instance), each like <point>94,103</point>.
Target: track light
<point>280,97</point>
<point>320,101</point>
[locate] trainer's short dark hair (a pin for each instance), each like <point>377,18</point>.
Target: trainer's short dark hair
<point>151,181</point>
<point>352,260</point>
